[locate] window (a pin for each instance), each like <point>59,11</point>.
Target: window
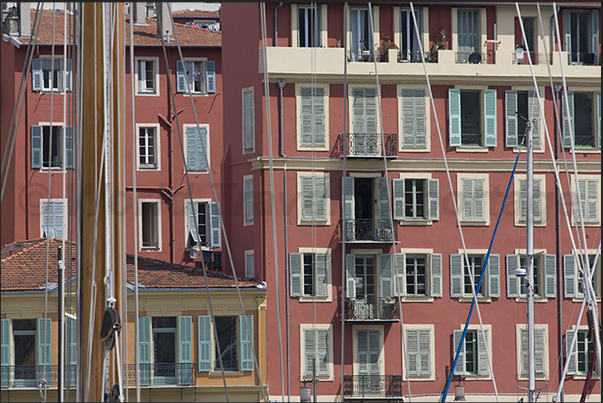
<point>460,277</point>
<point>148,147</point>
<point>473,199</point>
<point>528,27</point>
<point>540,350</point>
<point>313,199</point>
<point>362,37</point>
<point>203,224</point>
<point>573,283</point>
<point>409,41</point>
<point>416,199</point>
<point>249,264</point>
<point>316,348</point>
<point>309,26</point>
<point>589,189</point>
<point>147,76</point>
<point>539,199</point>
<point>472,116</point>
<point>419,345</point>
<point>413,119</point>
<point>248,121</point>
<point>583,354</point>
<point>48,76</point>
<point>197,147</point>
<point>365,140</point>
<point>369,360</point>
<point>545,277</point>
<point>309,274</point>
<point>248,206</point>
<point>312,122</point>
<point>234,343</point>
<point>201,75</point>
<point>52,218</point>
<point>421,274</point>
<point>582,119</point>
<point>582,37</point>
<point>473,358</point>
<point>150,225</point>
<point>52,147</point>
<point>526,103</point>
<point>468,34</point>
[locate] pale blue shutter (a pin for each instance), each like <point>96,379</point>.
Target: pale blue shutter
<point>534,116</point>
<point>436,275</point>
<point>180,78</point>
<point>5,352</point>
<point>295,274</point>
<point>320,260</point>
<point>306,117</point>
<point>511,118</point>
<point>478,199</point>
<point>424,352</point>
<point>512,279</point>
<point>456,275</point>
<point>568,122</point>
<point>568,35</point>
<point>408,118</point>
<point>398,275</point>
<point>460,364</point>
<point>454,117</point>
<point>145,349</point>
<point>307,196</point>
<point>490,118</point>
<point>364,111</point>
<point>185,350</point>
<point>412,348</point>
<point>350,271</point>
<point>571,355</point>
<point>320,198</point>
<point>36,75</point>
<point>522,199</point>
<point>36,146</point>
<point>420,118</point>
<point>482,353</point>
<point>322,348</point>
<point>539,351</point>
<point>69,144</point>
<point>494,276</point>
<point>192,212</point>
<point>385,275</point>
<point>599,119</point>
<point>214,224</point>
<point>537,208</point>
<point>384,209</point>
<point>193,155</point>
<point>44,341</point>
<point>347,183</point>
<point>550,276</point>
<point>312,117</point>
<point>310,351</point>
<point>569,275</point>
<point>68,71</point>
<point>589,199</point>
<point>204,335</point>
<point>433,191</point>
<point>210,76</point>
<point>524,352</point>
<point>246,338</point>
<point>398,196</point>
<point>72,332</point>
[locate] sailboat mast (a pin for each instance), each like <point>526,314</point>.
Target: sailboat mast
<point>530,259</point>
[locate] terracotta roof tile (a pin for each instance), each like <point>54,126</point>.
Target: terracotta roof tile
<point>24,269</point>
<point>195,14</point>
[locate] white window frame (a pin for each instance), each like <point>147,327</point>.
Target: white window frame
<point>578,376</point>
<point>157,145</point>
<point>140,226</point>
<point>459,190</point>
<point>376,27</point>
<point>580,296</point>
<point>418,251</point>
<point>187,88</point>
<point>65,215</point>
<point>399,89</point>
<point>351,102</point>
<point>248,217</point>
<point>480,89</point>
<point>327,176</point>
<point>61,84</point>
<point>205,201</point>
<point>541,91</point>
<point>485,297</point>
<point>298,124</point>
<point>206,145</point>
<point>302,351</point>
<point>295,26</point>
<point>145,92</point>
<point>518,328</point>
<point>398,28</point>
<point>249,271</point>
<point>516,200</point>
<point>62,127</point>
<point>243,149</point>
<point>574,199</point>
<point>538,254</point>
<point>488,329</point>
<point>355,329</point>
<point>592,90</point>
<point>329,297</point>
<point>418,221</point>
<point>454,27</point>
<point>431,329</point>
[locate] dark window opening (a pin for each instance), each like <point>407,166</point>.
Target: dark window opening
<point>52,147</point>
<point>226,327</point>
<point>24,339</point>
<point>583,120</point>
<point>416,276</point>
<point>471,113</point>
<point>414,198</point>
<point>475,263</point>
<point>309,262</point>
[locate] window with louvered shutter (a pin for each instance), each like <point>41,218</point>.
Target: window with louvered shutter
<point>537,200</point>
<point>414,119</point>
<point>316,347</point>
<point>539,352</point>
<point>5,352</point>
<point>312,116</point>
<point>249,264</point>
<point>246,342</point>
<point>473,199</point>
<point>197,148</point>
<point>248,122</point>
<point>185,350</point>
<point>589,201</point>
<point>512,279</point>
<point>52,219</point>
<point>204,334</point>
<point>313,198</point>
<point>248,209</point>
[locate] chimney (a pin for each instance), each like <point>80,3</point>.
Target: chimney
<point>165,27</point>
<point>139,13</point>
<point>25,19</point>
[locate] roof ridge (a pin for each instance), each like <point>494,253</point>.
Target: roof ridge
<point>32,243</point>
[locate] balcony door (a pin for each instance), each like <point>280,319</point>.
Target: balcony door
<point>368,362</point>
<point>361,35</point>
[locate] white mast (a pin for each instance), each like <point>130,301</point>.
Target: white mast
<point>530,259</point>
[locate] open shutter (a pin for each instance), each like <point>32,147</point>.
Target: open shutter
<point>594,26</point>
<point>5,352</point>
<point>36,75</point>
<point>482,353</point>
<point>58,219</point>
<point>412,348</point>
<point>322,285</point>
<point>433,191</point>
<point>572,355</point>
<point>310,351</point>
<point>249,200</point>
<point>539,346</point>
<point>398,196</point>
<point>494,276</point>
<point>210,76</point>
<point>203,149</point>
<point>384,209</point>
<point>319,198</point>
<point>568,122</point>
<point>36,146</point>
<point>512,279</point>
<point>72,346</point>
<point>44,341</point>
<point>307,196</point>
<point>350,275</point>
<point>385,277</point>
<point>511,139</point>
<point>69,144</point>
<point>490,118</point>
<point>246,338</point>
<point>550,276</point>
<point>185,350</point>
<point>568,33</point>
<point>398,275</point>
<point>180,79</point>
<point>569,276</point>
<point>454,117</point>
<point>534,116</point>
<point>192,211</point>
<point>599,119</point>
<point>424,352</point>
<point>348,208</point>
<point>322,364</point>
<point>68,71</point>
<point>204,335</point>
<point>145,349</point>
<point>295,274</point>
<point>436,275</point>
<point>460,364</point>
<point>214,224</point>
<point>456,275</point>
<point>193,156</point>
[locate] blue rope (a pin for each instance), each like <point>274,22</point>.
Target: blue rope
<point>479,283</point>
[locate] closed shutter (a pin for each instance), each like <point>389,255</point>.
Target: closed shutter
<point>204,336</point>
<point>36,75</point>
<point>522,199</point>
<point>534,116</point>
<point>571,355</point>
<point>248,140</point>
<point>295,274</point>
<point>490,118</point>
<point>456,275</point>
<point>473,199</point>
<point>307,196</point>
<point>201,150</point>
<point>398,275</point>
<point>385,275</point>
<point>305,117</point>
<point>494,276</point>
<point>44,341</point>
<point>433,191</point>
<point>52,219</point>
<point>319,198</point>
<point>482,353</point>
<point>569,276</point>
<point>537,209</point>
<point>524,353</point>
<point>374,350</point>
<point>313,353</point>
<point>362,340</point>
<point>424,353</point>
<point>250,265</point>
<point>454,117</point>
<point>512,279</point>
<point>320,268</point>
<point>210,76</point>
<point>436,275</point>
<point>589,199</point>
<point>384,209</point>
<point>69,146</point>
<point>68,71</point>
<point>72,346</point>
<point>214,224</point>
<point>412,347</point>
<point>185,350</point>
<point>511,139</point>
<point>141,75</point>
<point>180,78</point>
<point>420,117</point>
<point>145,349</point>
<point>364,111</point>
<point>5,351</point>
<point>312,117</point>
<point>192,211</point>
<point>539,352</point>
<point>478,199</point>
<point>36,146</point>
<point>460,364</point>
<point>193,155</point>
<point>249,200</point>
<point>246,338</point>
<point>468,30</point>
<point>350,275</point>
<point>550,276</point>
<point>568,121</point>
<point>322,349</point>
<point>414,125</point>
<point>398,196</point>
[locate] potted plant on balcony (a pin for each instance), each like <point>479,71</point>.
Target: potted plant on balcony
<point>386,45</point>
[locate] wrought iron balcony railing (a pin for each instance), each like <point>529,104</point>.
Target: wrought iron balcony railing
<point>584,58</point>
<point>163,374</point>
<point>30,376</point>
<point>372,386</point>
<point>371,308</point>
<point>475,57</point>
<point>415,57</point>
<point>370,230</point>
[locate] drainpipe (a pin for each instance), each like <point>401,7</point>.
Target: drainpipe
<point>558,249</point>
<point>276,24</point>
<point>281,84</point>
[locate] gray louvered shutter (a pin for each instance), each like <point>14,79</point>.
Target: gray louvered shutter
<point>534,116</point>
<point>350,275</point>
<point>433,192</point>
<point>550,276</point>
<point>204,336</point>
<point>398,197</point>
<point>599,119</point>
<point>522,199</point>
<point>214,225</point>
<point>69,146</point>
<point>310,351</point>
<point>594,27</point>
<point>192,212</point>
<point>318,116</point>
<point>322,348</point>
<point>36,146</point>
<point>568,35</point>
<point>420,118</point>
<point>358,111</point>
<point>385,275</point>
<point>246,341</point>
<point>306,117</point>
<point>524,352</point>
<point>144,349</point>
<point>312,115</point>
<point>72,346</point>
<point>210,76</point>
<point>398,275</point>
<point>347,184</point>
<point>295,274</point>
<point>68,74</point>
<point>589,198</point>
<point>460,364</point>
<point>467,189</point>
<point>44,350</point>
<point>248,121</point>
<point>454,117</point>
<point>537,208</point>
<point>569,276</point>
<point>36,75</point>
<point>571,355</point>
<point>511,118</point>
<point>193,156</point>
<point>202,149</point>
<point>482,353</point>
<point>568,122</point>
<point>436,275</point>
<point>320,261</point>
<point>249,200</point>
<point>185,350</point>
<point>5,352</point>
<point>180,78</point>
<point>539,351</point>
<point>307,196</point>
<point>512,280</point>
<point>412,347</point>
<point>319,198</point>
<point>409,134</point>
<point>424,352</point>
<point>479,199</point>
<point>494,276</point>
<point>490,118</point>
<point>384,209</point>
<point>456,275</point>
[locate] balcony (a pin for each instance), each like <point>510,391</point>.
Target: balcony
<point>372,387</point>
<point>475,57</point>
<point>367,145</point>
<point>30,376</point>
<point>183,374</point>
<point>415,57</point>
<point>370,231</point>
<point>584,59</point>
<point>371,309</point>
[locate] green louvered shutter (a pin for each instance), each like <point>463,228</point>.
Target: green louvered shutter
<point>454,117</point>
<point>246,338</point>
<point>5,352</point>
<point>490,118</point>
<point>192,212</point>
<point>494,276</point>
<point>322,347</point>
<point>539,352</point>
<point>550,276</point>
<point>398,196</point>
<point>511,118</point>
<point>350,272</point>
<point>295,274</point>
<point>193,156</point>
<point>69,146</point>
<point>322,285</point>
<point>180,78</point>
<point>569,276</point>
<point>534,116</point>
<point>424,352</point>
<point>204,336</point>
<point>599,119</point>
<point>36,75</point>
<point>512,279</point>
<point>307,196</point>
<point>210,76</point>
<point>436,275</point>
<point>185,350</point>
<point>214,225</point>
<point>36,146</point>
<point>568,122</point>
<point>68,74</point>
<point>44,350</point>
<point>482,353</point>
<point>201,149</point>
<point>456,275</point>
<point>385,276</point>
<point>384,209</point>
<point>398,275</point>
<point>571,355</point>
<point>145,349</point>
<point>433,192</point>
<point>412,348</point>
<point>72,346</point>
<point>460,364</point>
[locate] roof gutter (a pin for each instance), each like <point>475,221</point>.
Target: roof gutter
<point>11,39</point>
